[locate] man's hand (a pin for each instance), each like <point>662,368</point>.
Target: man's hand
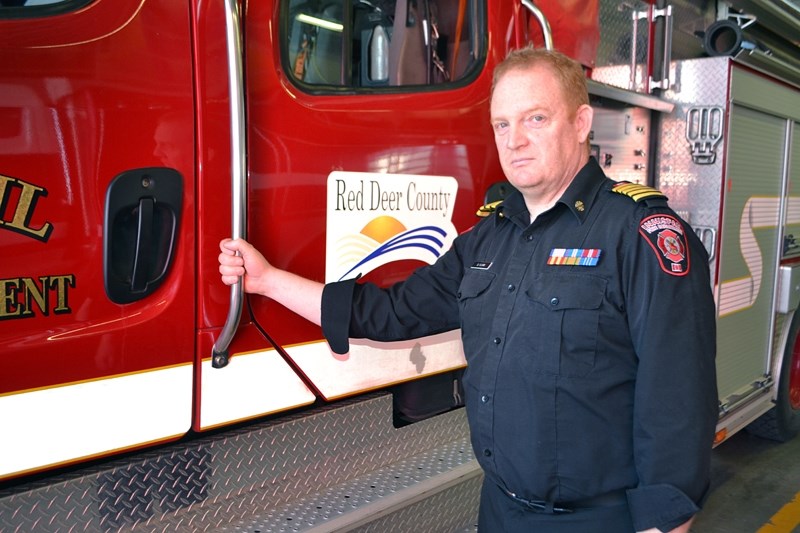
<point>249,264</point>
<point>303,296</point>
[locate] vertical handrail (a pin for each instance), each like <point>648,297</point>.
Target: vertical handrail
<point>663,81</point>
<point>219,355</point>
<point>546,31</point>
<point>636,16</point>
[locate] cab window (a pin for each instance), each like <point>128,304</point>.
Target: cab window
<point>38,8</point>
<point>382,43</point>
<point>29,3</point>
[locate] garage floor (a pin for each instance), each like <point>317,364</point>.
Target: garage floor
<point>756,488</point>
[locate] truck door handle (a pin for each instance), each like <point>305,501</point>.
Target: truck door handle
<point>144,238</point>
<point>143,208</point>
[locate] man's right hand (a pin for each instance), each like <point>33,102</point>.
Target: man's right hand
<point>303,296</point>
<point>249,264</point>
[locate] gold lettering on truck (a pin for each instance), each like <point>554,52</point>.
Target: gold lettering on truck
<point>25,297</point>
<point>18,217</point>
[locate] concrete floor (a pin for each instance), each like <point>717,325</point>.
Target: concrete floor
<point>756,488</point>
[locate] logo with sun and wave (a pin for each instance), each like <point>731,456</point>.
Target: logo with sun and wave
<point>375,219</point>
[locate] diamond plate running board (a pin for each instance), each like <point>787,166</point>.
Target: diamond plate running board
<point>335,468</point>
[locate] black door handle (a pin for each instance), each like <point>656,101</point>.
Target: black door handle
<point>142,258</point>
<point>143,208</point>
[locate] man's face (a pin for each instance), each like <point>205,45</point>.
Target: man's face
<point>538,137</point>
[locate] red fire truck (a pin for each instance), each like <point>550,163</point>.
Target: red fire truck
<point>343,138</point>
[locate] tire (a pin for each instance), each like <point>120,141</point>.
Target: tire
<point>782,422</point>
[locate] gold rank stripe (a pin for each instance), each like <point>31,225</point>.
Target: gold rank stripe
<point>487,209</point>
<point>636,191</point>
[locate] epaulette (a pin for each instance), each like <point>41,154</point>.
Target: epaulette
<point>487,209</point>
<point>637,192</point>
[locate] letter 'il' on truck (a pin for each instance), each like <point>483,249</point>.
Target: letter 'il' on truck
<point>344,138</point>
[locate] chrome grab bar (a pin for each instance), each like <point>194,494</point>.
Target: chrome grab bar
<point>650,15</point>
<point>546,31</point>
<point>219,353</point>
<point>666,54</point>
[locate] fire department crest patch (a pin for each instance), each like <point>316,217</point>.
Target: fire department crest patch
<point>665,235</point>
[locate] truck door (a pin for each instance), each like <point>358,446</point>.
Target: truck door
<point>359,163</point>
<point>97,180</point>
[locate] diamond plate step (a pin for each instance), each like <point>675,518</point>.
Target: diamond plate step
<point>310,467</point>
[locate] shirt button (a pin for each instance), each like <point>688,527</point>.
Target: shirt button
<point>485,398</point>
<point>553,301</point>
<point>511,288</point>
<point>529,238</point>
<point>487,452</point>
<point>497,340</point>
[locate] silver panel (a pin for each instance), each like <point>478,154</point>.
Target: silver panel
<point>620,140</point>
<point>613,64</point>
<point>694,190</point>
<point>234,476</point>
<point>384,501</point>
<point>617,34</point>
<point>440,514</point>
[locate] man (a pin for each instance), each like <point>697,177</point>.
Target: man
<point>587,320</point>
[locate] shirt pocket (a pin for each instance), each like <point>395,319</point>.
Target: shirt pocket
<point>566,318</point>
<point>472,300</point>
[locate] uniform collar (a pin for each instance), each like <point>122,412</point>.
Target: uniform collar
<point>514,209</point>
<point>578,198</point>
<point>582,192</point>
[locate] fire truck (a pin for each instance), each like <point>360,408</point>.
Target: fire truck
<point>343,138</point>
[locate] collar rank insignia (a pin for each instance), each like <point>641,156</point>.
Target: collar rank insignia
<point>487,209</point>
<point>574,256</point>
<point>636,191</point>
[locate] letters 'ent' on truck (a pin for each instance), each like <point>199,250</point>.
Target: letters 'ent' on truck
<point>345,138</point>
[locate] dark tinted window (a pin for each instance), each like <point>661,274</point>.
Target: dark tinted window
<point>382,43</point>
<point>38,8</point>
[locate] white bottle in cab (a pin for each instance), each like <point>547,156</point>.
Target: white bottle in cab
<point>379,55</point>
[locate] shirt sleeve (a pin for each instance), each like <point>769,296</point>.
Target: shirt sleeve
<point>336,305</point>
<point>424,304</point>
<point>672,320</point>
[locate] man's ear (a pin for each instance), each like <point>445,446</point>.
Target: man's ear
<point>583,122</point>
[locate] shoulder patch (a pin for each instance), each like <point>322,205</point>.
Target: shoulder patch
<point>636,191</point>
<point>666,236</point>
<point>487,209</point>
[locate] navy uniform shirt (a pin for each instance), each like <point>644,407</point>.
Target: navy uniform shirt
<point>590,342</point>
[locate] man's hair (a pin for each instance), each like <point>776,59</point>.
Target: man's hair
<point>568,71</point>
